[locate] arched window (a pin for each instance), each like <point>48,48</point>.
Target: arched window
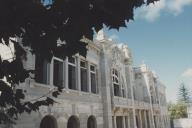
<point>48,122</point>
<point>73,122</point>
<point>91,122</point>
<point>123,90</point>
<point>116,83</point>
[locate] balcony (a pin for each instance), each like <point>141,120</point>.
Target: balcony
<point>121,102</point>
<point>156,106</point>
<point>35,90</point>
<point>141,105</point>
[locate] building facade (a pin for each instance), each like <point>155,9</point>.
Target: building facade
<point>103,90</point>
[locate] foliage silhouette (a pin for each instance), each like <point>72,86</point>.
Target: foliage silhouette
<point>39,26</point>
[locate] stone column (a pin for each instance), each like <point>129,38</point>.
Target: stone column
<point>88,77</point>
<point>106,89</point>
<point>130,80</point>
<point>150,119</point>
<point>114,122</point>
<point>151,115</point>
<point>155,121</point>
<point>158,121</point>
<point>132,119</point>
<point>124,125</point>
<point>78,84</point>
<point>128,120</point>
<point>145,118</point>
<point>51,71</point>
<point>140,119</point>
<point>66,73</point>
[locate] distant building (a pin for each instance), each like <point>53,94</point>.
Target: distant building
<point>103,90</point>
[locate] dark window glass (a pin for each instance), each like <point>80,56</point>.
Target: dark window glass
<point>71,60</point>
<point>91,123</point>
<point>58,73</point>
<point>92,68</point>
<point>116,80</point>
<point>83,64</point>
<point>93,83</point>
<point>116,90</point>
<point>72,77</point>
<point>84,85</point>
<point>119,121</point>
<point>42,72</point>
<point>115,72</point>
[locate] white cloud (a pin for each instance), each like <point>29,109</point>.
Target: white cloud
<point>153,11</point>
<point>114,37</point>
<point>176,6</point>
<point>187,73</point>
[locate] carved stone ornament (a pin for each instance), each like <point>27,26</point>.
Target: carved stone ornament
<point>116,58</point>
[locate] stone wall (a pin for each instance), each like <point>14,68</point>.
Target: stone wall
<point>182,123</point>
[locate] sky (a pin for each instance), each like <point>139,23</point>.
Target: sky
<point>161,37</point>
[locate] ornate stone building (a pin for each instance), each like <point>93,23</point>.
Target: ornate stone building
<point>103,90</point>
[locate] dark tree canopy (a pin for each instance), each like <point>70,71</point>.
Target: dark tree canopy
<point>39,26</point>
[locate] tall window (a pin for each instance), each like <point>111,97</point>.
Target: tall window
<point>58,72</point>
<point>93,78</point>
<point>116,82</point>
<point>123,88</point>
<point>72,73</point>
<point>42,72</point>
<point>83,70</point>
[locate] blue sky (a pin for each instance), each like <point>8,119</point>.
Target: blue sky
<point>161,36</point>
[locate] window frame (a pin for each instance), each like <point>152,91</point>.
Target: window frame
<point>91,74</point>
<point>87,75</point>
<point>96,78</point>
<point>63,70</point>
<point>116,75</point>
<point>46,75</point>
<point>76,72</point>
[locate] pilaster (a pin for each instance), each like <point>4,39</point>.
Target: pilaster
<point>106,90</point>
<point>124,125</point>
<point>78,74</point>
<point>114,122</point>
<point>129,120</point>
<point>89,81</point>
<point>66,73</point>
<point>51,72</point>
<point>140,119</point>
<point>145,118</point>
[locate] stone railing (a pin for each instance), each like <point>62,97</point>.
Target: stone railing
<point>156,106</point>
<point>37,90</point>
<point>120,101</point>
<point>141,104</point>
